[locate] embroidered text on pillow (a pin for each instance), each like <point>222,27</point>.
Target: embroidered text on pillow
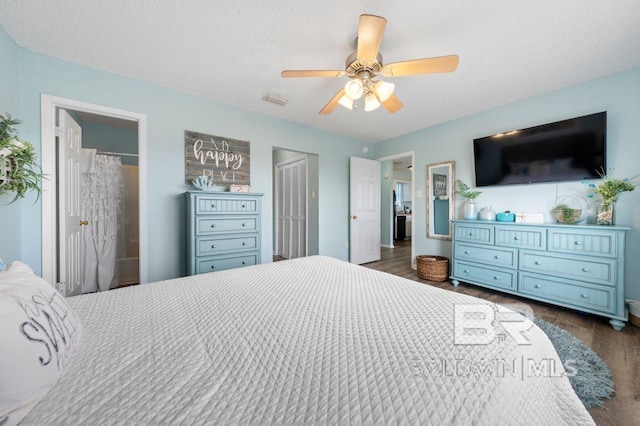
<point>49,324</point>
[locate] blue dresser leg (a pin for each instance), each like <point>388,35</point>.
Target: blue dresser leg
<point>617,324</point>
<point>455,283</point>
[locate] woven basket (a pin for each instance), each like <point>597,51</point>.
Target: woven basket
<point>433,268</point>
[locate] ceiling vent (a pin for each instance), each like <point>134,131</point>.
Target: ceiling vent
<point>275,99</point>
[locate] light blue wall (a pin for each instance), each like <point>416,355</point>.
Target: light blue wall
<point>169,113</point>
<point>10,229</point>
<point>618,94</point>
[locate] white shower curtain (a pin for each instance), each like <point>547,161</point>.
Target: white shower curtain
<point>102,196</point>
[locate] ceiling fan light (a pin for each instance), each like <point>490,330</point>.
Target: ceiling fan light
<point>384,90</point>
<point>370,102</point>
<point>346,102</point>
<point>353,89</point>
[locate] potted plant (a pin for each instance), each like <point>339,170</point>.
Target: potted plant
<point>607,192</point>
<point>470,207</point>
<point>19,171</point>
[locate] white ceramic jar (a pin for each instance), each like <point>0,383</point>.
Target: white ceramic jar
<point>487,213</point>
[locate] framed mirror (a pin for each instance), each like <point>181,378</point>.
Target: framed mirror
<point>440,199</point>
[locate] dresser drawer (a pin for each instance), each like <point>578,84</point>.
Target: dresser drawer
<point>524,237</point>
<point>600,299</point>
<point>204,265</point>
<point>600,271</point>
<point>592,242</point>
<point>218,225</point>
<point>499,278</point>
<point>482,234</point>
<point>494,256</point>
<point>209,246</point>
<point>219,205</point>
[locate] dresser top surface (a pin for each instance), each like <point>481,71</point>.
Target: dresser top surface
<point>545,225</point>
<point>223,193</point>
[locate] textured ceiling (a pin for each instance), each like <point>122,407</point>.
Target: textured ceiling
<point>233,51</point>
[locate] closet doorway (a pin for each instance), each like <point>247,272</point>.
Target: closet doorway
<point>295,204</point>
<point>95,233</point>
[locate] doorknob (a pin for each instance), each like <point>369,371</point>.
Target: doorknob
<point>84,222</point>
<point>354,217</point>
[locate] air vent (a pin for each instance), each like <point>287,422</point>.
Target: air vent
<point>275,99</point>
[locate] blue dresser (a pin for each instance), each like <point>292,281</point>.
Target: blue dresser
<point>576,266</point>
<point>223,230</point>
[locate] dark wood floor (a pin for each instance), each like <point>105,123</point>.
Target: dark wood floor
<point>620,350</point>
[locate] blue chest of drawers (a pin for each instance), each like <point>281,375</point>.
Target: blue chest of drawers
<point>576,266</point>
<point>223,230</point>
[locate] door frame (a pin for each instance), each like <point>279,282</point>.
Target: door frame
<point>277,195</point>
<point>411,154</point>
<point>48,107</point>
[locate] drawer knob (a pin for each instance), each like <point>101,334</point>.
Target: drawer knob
<point>466,271</point>
<point>586,270</point>
<point>515,238</point>
<point>537,262</point>
<point>213,266</point>
<point>213,206</point>
<point>243,262</point>
<point>244,224</point>
<point>471,234</point>
<point>577,243</point>
<point>466,252</point>
<point>584,296</point>
<point>243,206</point>
<point>496,277</point>
<point>213,246</point>
<point>244,244</point>
<point>213,225</point>
<point>496,257</point>
<point>538,286</point>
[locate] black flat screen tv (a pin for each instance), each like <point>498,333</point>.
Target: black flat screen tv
<point>572,149</point>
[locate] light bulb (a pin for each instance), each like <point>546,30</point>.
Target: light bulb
<point>353,89</point>
<point>370,101</point>
<point>384,90</point>
<point>346,102</point>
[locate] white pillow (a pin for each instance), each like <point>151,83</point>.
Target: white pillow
<point>39,334</point>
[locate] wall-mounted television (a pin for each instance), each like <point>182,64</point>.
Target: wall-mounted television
<point>566,150</point>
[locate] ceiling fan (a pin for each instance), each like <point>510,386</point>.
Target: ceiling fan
<point>364,65</point>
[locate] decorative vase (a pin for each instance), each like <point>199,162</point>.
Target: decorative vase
<point>606,213</point>
<point>487,213</point>
<point>470,209</point>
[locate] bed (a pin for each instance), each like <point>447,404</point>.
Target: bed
<point>307,341</point>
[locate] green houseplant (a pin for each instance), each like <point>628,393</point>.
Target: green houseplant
<point>19,171</point>
<point>607,193</point>
<point>470,207</point>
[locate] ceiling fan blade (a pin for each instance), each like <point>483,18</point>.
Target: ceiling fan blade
<point>421,66</point>
<point>312,73</point>
<point>333,103</point>
<point>392,104</point>
<point>370,31</point>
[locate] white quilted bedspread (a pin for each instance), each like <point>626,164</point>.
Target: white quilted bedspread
<point>307,341</point>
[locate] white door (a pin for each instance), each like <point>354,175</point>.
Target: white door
<point>69,225</point>
<point>364,205</point>
<point>291,211</point>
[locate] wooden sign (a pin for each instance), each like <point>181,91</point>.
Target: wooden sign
<point>225,161</point>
